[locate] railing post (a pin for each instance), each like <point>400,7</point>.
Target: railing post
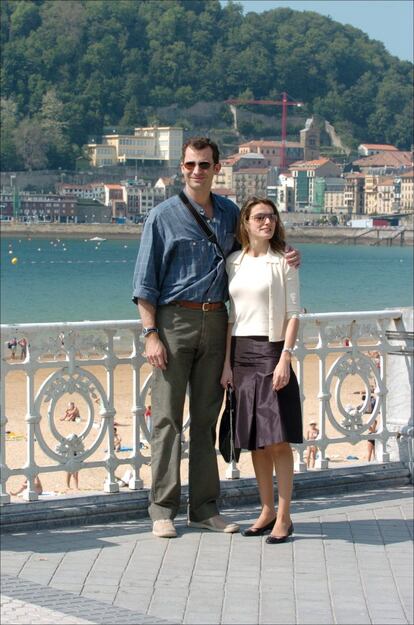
<point>4,472</point>
<point>399,382</point>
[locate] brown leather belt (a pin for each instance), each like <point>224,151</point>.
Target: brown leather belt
<point>204,306</point>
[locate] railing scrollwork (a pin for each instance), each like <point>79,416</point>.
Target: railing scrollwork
<point>66,356</point>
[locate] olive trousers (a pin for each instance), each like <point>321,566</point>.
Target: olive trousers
<point>195,343</point>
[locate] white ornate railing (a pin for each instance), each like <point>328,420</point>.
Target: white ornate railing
<point>61,362</point>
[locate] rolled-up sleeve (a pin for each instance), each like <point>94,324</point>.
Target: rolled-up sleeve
<point>292,291</point>
<point>146,281</point>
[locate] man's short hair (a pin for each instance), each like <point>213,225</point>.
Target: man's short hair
<point>199,143</point>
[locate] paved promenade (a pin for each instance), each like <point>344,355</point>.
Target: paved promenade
<point>351,561</point>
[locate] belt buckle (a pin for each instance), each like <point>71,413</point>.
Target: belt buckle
<point>205,306</point>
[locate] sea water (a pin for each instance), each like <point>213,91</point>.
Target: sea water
<point>81,279</point>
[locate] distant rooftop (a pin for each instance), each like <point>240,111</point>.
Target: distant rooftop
<point>378,146</point>
<point>270,144</point>
<point>310,164</point>
<point>394,158</point>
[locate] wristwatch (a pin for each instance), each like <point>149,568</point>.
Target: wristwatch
<point>288,349</point>
<point>147,331</point>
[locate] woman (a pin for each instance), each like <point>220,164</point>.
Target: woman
<point>263,324</point>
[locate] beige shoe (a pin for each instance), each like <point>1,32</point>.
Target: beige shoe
<point>164,528</point>
<point>216,523</point>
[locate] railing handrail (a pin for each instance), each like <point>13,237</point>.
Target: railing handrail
<point>388,313</point>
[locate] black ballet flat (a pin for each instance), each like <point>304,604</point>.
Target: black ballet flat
<point>276,540</point>
<point>259,531</point>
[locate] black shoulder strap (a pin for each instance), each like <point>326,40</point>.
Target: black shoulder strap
<point>201,222</point>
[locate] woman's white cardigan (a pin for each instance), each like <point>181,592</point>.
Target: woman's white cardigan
<point>284,300</point>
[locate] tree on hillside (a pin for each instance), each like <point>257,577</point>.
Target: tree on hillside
<point>54,125</point>
<point>31,144</point>
<point>9,123</point>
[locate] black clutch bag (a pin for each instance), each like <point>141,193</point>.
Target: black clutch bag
<point>226,431</point>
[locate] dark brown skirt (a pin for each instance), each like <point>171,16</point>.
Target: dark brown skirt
<point>263,416</point>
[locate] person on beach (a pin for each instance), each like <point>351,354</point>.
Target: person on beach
<point>37,486</point>
<point>12,345</point>
<point>75,477</point>
<point>180,286</point>
<point>371,441</point>
<point>71,413</point>
<point>311,435</point>
<point>262,329</point>
<point>147,416</point>
<point>23,348</point>
<point>117,440</point>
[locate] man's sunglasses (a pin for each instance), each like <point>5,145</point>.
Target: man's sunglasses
<point>202,165</point>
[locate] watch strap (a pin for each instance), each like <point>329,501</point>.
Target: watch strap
<point>147,331</point>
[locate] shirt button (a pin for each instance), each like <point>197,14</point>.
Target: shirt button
<point>194,243</point>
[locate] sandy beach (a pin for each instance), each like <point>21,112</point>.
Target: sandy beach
<point>91,480</point>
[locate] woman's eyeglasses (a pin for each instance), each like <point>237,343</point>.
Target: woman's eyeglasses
<point>202,165</point>
<point>261,217</point>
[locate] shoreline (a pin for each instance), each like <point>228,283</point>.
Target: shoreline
<point>330,235</point>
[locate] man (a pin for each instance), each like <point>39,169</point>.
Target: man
<point>180,286</point>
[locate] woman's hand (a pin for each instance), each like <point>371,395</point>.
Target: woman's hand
<point>281,374</point>
<point>292,256</point>
<point>226,376</point>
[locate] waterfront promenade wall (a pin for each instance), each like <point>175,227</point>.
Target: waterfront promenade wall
<point>333,235</point>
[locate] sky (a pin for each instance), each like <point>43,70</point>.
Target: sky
<point>389,21</point>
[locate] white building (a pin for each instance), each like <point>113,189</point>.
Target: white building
<point>368,149</point>
<point>152,144</point>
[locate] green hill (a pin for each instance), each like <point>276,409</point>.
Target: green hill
<point>73,67</point>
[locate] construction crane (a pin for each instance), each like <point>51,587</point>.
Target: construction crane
<point>284,103</point>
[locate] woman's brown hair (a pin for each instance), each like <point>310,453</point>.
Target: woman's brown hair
<point>278,240</point>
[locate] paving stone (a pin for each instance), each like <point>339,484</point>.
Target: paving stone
<point>355,546</point>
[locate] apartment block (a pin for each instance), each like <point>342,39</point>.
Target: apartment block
<point>270,150</point>
<point>152,145</point>
<point>283,193</point>
<point>38,207</point>
<point>233,163</point>
<point>407,191</point>
<point>387,195</point>
<point>251,181</point>
<point>308,194</point>
<point>334,197</point>
<point>354,193</point>
<point>370,193</point>
<point>89,191</point>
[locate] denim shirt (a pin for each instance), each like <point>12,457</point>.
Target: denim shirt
<point>175,259</point>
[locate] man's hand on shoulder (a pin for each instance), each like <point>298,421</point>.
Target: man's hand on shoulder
<point>292,256</point>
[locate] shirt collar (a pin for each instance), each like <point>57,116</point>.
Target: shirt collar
<point>216,203</point>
